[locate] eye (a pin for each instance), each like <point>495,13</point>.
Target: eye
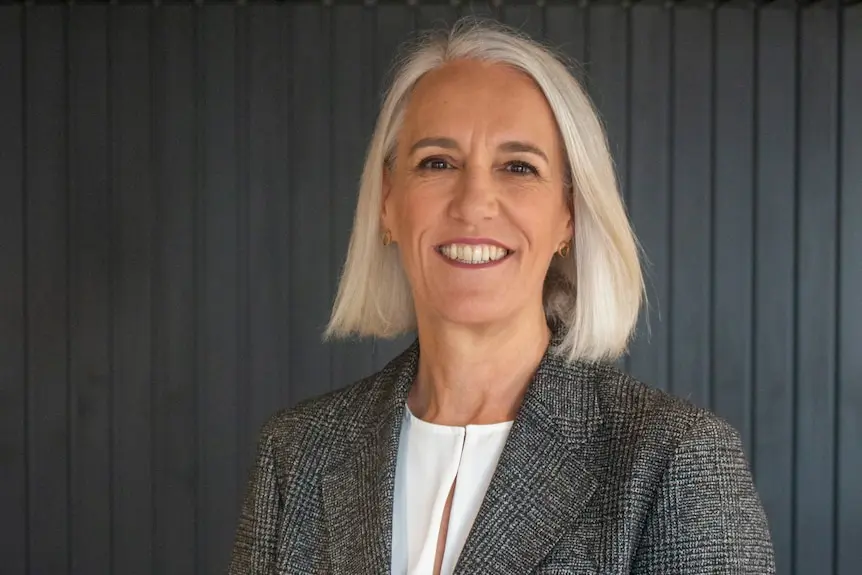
<point>522,168</point>
<point>434,164</point>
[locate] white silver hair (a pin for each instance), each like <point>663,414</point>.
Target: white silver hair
<point>595,293</point>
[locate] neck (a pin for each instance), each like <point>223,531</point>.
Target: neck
<point>476,375</point>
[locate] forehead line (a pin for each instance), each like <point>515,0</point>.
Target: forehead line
<point>511,146</point>
<point>439,91</point>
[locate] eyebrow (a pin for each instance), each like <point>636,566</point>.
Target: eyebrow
<point>450,144</point>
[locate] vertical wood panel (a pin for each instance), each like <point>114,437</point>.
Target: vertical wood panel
<point>47,283</point>
<point>174,380</point>
<point>311,285</point>
<point>649,202</point>
<point>431,16</point>
<point>131,262</point>
<point>528,18</point>
<point>395,24</point>
<point>733,213</point>
<point>89,284</point>
<point>816,344</point>
<point>480,9</point>
<point>269,216</point>
<point>219,294</point>
<point>173,231</point>
<point>368,96</point>
<point>566,30</point>
<point>849,450</point>
<point>609,80</point>
<point>13,392</point>
<point>772,451</point>
<point>350,360</point>
<point>242,71</point>
<point>691,187</point>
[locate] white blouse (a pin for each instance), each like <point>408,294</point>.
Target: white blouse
<point>430,457</point>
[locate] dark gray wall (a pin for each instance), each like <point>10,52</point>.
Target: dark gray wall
<point>176,190</point>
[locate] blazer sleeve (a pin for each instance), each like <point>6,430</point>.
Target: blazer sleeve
<point>707,516</point>
<point>254,550</point>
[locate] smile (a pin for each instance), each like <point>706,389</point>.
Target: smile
<point>473,254</point>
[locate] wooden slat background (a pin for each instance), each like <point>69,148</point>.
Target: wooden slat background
<point>177,185</point>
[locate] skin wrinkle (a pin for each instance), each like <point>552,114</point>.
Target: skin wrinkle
<point>450,144</point>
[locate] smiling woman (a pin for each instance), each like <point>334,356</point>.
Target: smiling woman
<point>502,440</point>
<point>459,97</point>
<point>495,181</point>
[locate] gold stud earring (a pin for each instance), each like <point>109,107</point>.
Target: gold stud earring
<point>387,238</point>
<point>563,250</point>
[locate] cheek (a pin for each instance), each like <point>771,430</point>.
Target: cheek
<point>543,223</point>
<point>418,210</point>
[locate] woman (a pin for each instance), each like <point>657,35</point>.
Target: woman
<point>501,441</point>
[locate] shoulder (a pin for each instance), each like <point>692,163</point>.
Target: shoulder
<point>691,459</point>
<point>692,463</point>
<point>298,443</point>
<point>639,414</point>
<point>317,425</point>
<point>323,427</point>
<point>326,412</point>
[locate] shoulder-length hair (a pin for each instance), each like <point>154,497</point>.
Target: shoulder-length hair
<point>594,294</point>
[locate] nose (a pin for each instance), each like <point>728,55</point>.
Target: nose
<point>475,196</point>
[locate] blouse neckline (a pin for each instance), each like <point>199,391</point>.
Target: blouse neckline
<point>456,429</point>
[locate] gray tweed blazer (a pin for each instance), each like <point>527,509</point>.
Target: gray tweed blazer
<point>600,474</point>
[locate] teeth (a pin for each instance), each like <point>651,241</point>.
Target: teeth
<point>473,254</point>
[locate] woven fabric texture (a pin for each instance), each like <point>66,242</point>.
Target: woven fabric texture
<point>600,474</point>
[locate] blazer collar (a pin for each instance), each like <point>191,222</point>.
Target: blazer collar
<point>358,491</point>
<point>541,484</point>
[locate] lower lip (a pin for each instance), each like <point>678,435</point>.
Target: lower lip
<point>486,265</point>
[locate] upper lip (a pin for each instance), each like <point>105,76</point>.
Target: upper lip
<point>475,241</point>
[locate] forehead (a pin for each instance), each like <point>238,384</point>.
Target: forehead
<point>469,96</point>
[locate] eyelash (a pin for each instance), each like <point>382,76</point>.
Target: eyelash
<point>530,169</point>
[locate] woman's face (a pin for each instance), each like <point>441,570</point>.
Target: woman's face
<point>475,199</point>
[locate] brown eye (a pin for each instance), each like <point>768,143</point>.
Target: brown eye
<point>434,164</point>
<point>522,168</point>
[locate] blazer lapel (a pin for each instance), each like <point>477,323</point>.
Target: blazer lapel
<point>541,484</point>
<point>358,492</point>
<point>542,481</point>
